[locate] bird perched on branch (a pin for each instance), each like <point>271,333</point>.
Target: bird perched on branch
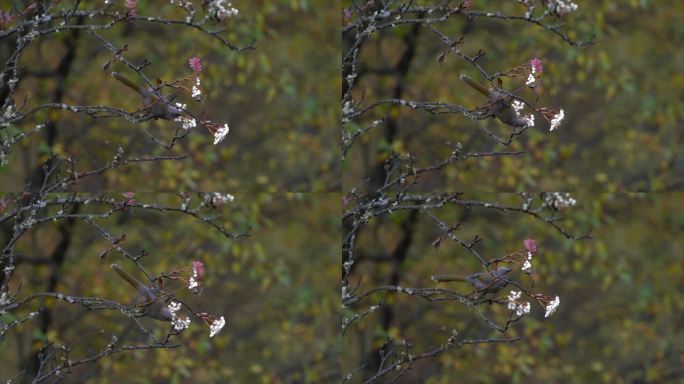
<point>158,106</point>
<point>483,282</point>
<point>499,104</point>
<point>148,297</point>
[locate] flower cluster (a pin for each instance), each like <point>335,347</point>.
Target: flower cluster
<point>185,4</point>
<point>520,308</point>
<point>517,107</point>
<point>559,200</point>
<point>531,249</point>
<point>222,9</point>
<point>196,91</point>
<point>221,133</point>
<point>561,7</point>
<point>219,130</point>
<point>179,322</point>
<point>217,199</point>
<point>556,120</point>
<point>552,306</point>
<point>216,326</point>
<point>550,303</point>
<point>186,121</point>
<point>514,304</point>
<point>554,117</point>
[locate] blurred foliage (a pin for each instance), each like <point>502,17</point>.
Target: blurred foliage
<point>277,98</point>
<point>275,289</point>
<point>621,96</point>
<point>620,318</point>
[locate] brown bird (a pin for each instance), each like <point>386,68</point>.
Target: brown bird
<point>148,298</point>
<point>499,104</point>
<point>483,282</point>
<point>158,107</point>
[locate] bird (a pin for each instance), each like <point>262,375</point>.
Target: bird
<point>483,282</point>
<point>158,106</point>
<point>500,104</point>
<point>148,297</point>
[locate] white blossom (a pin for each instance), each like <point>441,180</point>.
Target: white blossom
<point>528,262</point>
<point>222,9</point>
<point>559,200</point>
<point>556,120</point>
<point>196,91</point>
<point>179,322</point>
<point>552,307</point>
<point>221,133</point>
<point>216,326</point>
<point>174,307</point>
<point>193,281</point>
<point>561,6</point>
<point>218,199</point>
<point>517,105</point>
<point>513,304</point>
<point>529,120</point>
<point>186,121</point>
<point>182,3</point>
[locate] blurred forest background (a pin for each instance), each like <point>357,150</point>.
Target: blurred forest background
<point>277,98</point>
<point>621,96</point>
<point>620,320</point>
<point>276,289</point>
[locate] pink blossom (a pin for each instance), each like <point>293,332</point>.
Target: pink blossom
<point>536,65</point>
<point>530,245</point>
<point>5,18</point>
<point>347,14</point>
<point>198,269</point>
<point>130,201</point>
<point>195,64</point>
<point>131,5</point>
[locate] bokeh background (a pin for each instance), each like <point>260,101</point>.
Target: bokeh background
<point>620,318</point>
<point>280,100</point>
<point>621,96</point>
<point>276,288</point>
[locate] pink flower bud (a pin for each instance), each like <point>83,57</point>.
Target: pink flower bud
<point>536,65</point>
<point>198,269</point>
<point>131,6</point>
<point>195,64</point>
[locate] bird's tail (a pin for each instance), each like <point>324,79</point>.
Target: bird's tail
<point>475,85</point>
<point>127,276</point>
<point>128,82</point>
<point>445,278</point>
